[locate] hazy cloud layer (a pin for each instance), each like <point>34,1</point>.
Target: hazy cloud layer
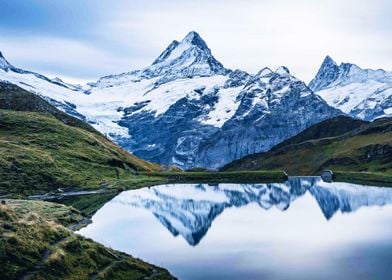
<point>83,40</point>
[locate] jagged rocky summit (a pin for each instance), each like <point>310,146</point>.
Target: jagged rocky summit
<point>361,93</point>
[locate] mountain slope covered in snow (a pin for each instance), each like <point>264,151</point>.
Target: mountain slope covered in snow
<point>361,93</point>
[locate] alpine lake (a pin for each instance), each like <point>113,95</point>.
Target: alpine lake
<point>304,228</point>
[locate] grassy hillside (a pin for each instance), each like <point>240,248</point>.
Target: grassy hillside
<point>365,148</point>
<point>35,244</point>
<point>44,149</point>
<point>327,128</point>
<point>15,98</point>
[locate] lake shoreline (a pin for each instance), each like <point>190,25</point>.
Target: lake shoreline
<point>88,203</point>
<point>234,177</point>
<point>187,218</point>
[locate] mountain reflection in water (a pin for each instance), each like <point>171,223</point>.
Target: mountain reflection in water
<point>189,209</point>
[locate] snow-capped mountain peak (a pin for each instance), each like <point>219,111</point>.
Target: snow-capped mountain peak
<point>282,70</point>
<point>189,58</point>
<point>193,38</point>
<point>264,72</point>
<point>191,42</point>
<point>327,73</point>
<point>361,93</point>
<point>329,60</point>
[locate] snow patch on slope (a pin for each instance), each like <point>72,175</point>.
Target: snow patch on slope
<point>225,108</point>
<point>160,99</point>
<point>98,114</point>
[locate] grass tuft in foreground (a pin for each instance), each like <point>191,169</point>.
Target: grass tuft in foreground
<point>35,244</point>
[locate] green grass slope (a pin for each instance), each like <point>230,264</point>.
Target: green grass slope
<point>43,149</point>
<point>36,244</point>
<point>15,98</point>
<point>327,128</point>
<point>364,148</point>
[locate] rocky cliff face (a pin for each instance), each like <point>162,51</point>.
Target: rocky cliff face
<point>272,108</point>
<point>361,93</point>
<point>186,108</point>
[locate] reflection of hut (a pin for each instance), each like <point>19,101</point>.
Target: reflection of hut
<point>327,175</point>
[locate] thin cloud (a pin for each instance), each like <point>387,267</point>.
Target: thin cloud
<point>86,41</point>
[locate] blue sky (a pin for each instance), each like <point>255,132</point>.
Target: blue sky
<point>83,40</point>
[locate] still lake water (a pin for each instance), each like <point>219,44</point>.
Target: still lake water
<point>301,229</point>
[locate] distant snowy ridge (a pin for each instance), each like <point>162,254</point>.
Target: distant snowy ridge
<point>72,99</point>
<point>7,67</point>
<point>361,93</point>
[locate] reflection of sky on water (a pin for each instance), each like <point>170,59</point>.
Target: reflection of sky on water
<point>311,230</point>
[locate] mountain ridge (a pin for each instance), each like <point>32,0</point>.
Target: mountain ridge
<point>361,93</point>
<point>187,110</point>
